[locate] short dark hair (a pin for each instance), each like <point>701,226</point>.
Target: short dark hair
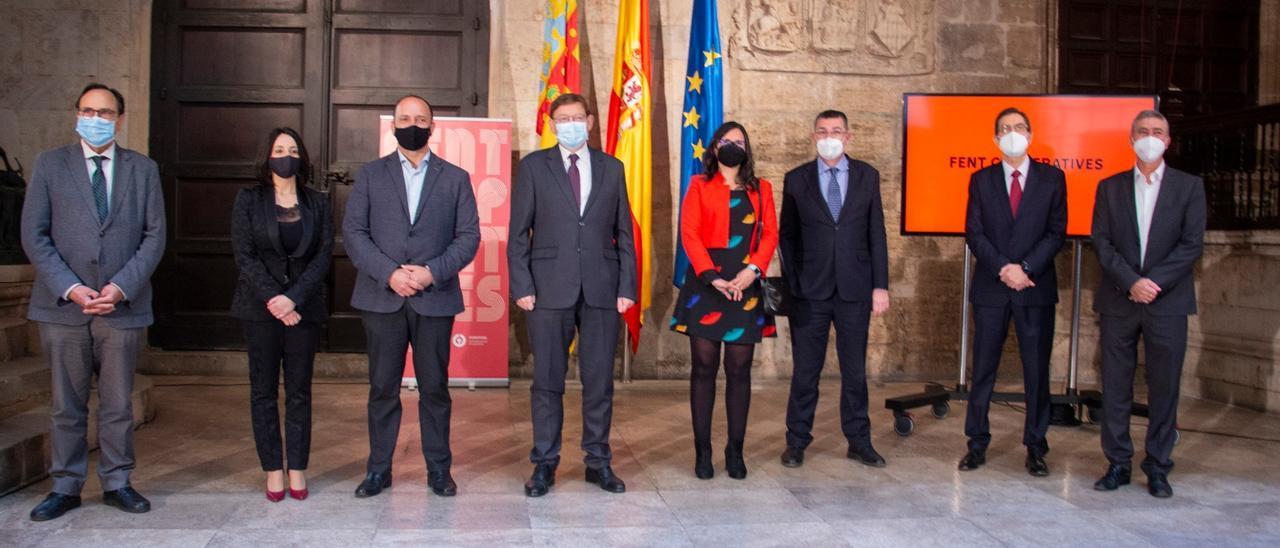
<point>568,99</point>
<point>829,114</point>
<point>1008,111</point>
<point>263,168</point>
<point>1149,113</point>
<point>94,85</point>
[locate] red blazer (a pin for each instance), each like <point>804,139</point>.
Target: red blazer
<point>704,222</point>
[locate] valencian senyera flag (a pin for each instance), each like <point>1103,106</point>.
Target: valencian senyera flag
<point>629,139</point>
<point>703,106</point>
<point>561,72</point>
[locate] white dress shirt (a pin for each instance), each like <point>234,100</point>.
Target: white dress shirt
<point>1145,194</point>
<point>414,179</point>
<point>1022,178</point>
<point>584,173</point>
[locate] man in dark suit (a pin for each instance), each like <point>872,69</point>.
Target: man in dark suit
<point>836,260</point>
<point>573,266</point>
<point>93,226</point>
<point>411,225</point>
<point>1016,223</point>
<point>1148,230</point>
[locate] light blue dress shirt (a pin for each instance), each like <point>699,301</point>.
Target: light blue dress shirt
<point>414,179</point>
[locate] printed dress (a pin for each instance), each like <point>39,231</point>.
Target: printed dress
<point>702,311</point>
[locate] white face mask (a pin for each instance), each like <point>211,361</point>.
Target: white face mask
<point>1149,149</point>
<point>830,148</point>
<point>1014,144</point>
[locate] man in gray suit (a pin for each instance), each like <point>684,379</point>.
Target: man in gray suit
<point>1148,230</point>
<point>410,227</point>
<point>573,267</point>
<point>93,227</point>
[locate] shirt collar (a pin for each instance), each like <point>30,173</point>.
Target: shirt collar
<point>89,153</point>
<point>405,163</point>
<point>841,166</point>
<point>1008,169</point>
<point>1157,175</point>
<point>583,153</point>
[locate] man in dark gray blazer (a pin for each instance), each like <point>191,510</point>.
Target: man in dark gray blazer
<point>93,226</point>
<point>410,227</point>
<point>1148,231</point>
<point>573,265</point>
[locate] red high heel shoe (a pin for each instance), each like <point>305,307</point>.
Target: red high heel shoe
<point>297,494</point>
<point>275,496</point>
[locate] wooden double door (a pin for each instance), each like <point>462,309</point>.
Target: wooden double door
<point>225,72</point>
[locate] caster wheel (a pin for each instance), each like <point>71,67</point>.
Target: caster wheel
<point>1095,414</point>
<point>941,409</point>
<point>903,424</point>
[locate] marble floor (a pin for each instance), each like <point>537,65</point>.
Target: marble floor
<point>197,464</point>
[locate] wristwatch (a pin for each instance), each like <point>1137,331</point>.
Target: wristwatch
<point>755,269</point>
<point>1026,268</point>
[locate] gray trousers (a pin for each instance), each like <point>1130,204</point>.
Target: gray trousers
<point>75,353</point>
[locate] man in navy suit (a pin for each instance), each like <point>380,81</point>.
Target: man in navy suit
<point>410,227</point>
<point>1016,223</point>
<point>1148,230</point>
<point>836,259</point>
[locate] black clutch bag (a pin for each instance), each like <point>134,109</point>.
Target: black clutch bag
<point>775,294</point>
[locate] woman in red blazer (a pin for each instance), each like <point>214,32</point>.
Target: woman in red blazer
<point>729,231</point>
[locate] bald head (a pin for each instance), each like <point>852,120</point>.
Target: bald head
<point>413,110</point>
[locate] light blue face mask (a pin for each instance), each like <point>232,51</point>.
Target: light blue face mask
<point>95,130</point>
<point>571,134</point>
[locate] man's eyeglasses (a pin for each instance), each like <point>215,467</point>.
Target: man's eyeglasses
<point>104,113</point>
<point>823,134</point>
<point>1020,128</point>
<point>568,119</point>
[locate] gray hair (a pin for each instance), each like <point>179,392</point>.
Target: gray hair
<point>1143,116</point>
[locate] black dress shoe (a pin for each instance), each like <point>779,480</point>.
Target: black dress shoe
<point>734,466</point>
<point>866,455</point>
<point>53,506</point>
<point>127,499</point>
<point>606,480</point>
<point>1115,477</point>
<point>973,460</point>
<point>441,483</point>
<point>544,476</point>
<point>1036,465</point>
<point>702,467</point>
<point>793,457</point>
<point>373,484</point>
<point>1158,486</point>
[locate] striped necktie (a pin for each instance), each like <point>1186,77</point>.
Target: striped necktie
<point>100,188</point>
<point>834,201</point>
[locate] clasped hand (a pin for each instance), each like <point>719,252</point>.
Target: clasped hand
<point>733,289</point>
<point>1013,276</point>
<point>96,303</point>
<point>1144,291</point>
<point>409,279</point>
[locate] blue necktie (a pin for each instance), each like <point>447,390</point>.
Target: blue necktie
<point>100,188</point>
<point>834,200</point>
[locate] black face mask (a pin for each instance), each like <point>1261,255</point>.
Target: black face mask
<point>731,155</point>
<point>413,137</point>
<point>285,166</point>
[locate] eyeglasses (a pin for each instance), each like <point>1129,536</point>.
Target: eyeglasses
<point>104,113</point>
<point>1020,128</point>
<point>569,119</point>
<point>741,143</point>
<point>823,134</point>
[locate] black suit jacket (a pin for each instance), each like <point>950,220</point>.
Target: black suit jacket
<point>556,254</point>
<point>1034,238</point>
<point>265,269</point>
<point>822,257</point>
<point>1176,241</point>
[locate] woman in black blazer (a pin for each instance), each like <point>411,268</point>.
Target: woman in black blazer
<point>282,235</point>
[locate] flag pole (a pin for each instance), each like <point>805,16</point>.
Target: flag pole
<point>626,356</point>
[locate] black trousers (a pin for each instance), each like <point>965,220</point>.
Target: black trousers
<point>271,347</point>
<point>1165,338</point>
<point>551,332</point>
<point>810,330</point>
<point>1034,327</point>
<point>389,337</point>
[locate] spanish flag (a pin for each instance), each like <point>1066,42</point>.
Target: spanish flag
<point>561,72</point>
<point>629,140</point>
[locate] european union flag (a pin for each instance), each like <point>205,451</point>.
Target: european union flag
<point>703,105</point>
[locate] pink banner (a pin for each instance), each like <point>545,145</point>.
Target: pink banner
<point>482,147</point>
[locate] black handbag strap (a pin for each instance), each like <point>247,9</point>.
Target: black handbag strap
<point>759,230</point>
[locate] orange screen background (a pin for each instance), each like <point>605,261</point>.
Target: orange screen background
<point>948,137</point>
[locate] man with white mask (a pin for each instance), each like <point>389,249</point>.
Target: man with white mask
<point>1016,223</point>
<point>572,260</point>
<point>1148,231</point>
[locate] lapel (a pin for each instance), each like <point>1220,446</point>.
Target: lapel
<point>996,180</point>
<point>813,187</point>
<point>597,179</point>
<point>77,166</point>
<point>267,207</point>
<point>396,173</point>
<point>1164,201</point>
<point>434,168</point>
<point>309,211</point>
<point>555,164</point>
<point>121,182</point>
<point>1130,207</point>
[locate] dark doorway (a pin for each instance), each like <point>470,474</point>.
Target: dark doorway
<point>224,72</point>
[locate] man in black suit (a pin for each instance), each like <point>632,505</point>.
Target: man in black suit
<point>573,266</point>
<point>1016,223</point>
<point>410,227</point>
<point>836,260</point>
<point>1148,230</point>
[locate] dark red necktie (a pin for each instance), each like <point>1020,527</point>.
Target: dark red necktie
<point>575,180</point>
<point>1015,192</point>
